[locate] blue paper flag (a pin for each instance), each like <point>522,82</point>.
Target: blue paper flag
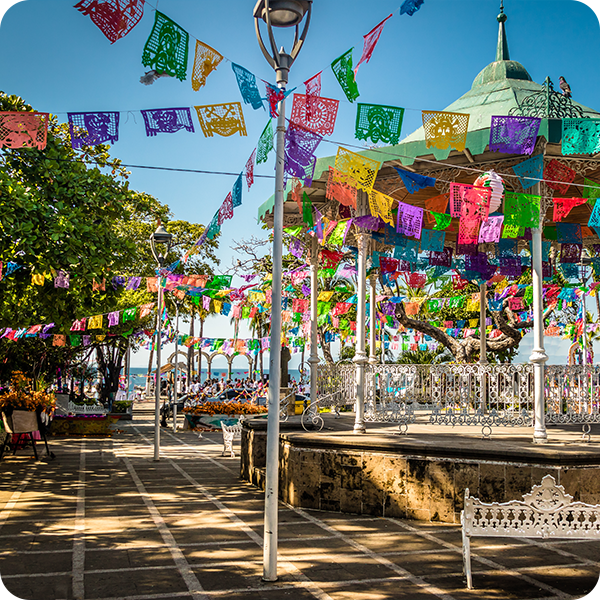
<point>568,233</point>
<point>410,7</point>
<point>530,171</point>
<point>432,240</point>
<point>413,181</point>
<point>236,192</point>
<point>248,88</point>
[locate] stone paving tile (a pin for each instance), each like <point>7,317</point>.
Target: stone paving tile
<point>16,564</point>
<point>123,558</point>
<point>129,583</point>
<point>46,588</point>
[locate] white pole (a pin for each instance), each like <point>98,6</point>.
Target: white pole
<point>176,369</point>
<point>372,316</point>
<point>538,355</point>
<point>272,458</point>
<point>314,350</point>
<point>482,344</point>
<point>158,367</point>
<point>360,358</point>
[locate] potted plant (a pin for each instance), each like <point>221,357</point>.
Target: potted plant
<point>24,409</point>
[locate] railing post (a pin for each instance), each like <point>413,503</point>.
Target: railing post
<point>538,355</point>
<point>360,358</point>
<point>373,317</point>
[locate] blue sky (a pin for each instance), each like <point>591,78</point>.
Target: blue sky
<point>59,62</point>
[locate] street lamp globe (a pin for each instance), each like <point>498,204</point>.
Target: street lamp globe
<point>160,243</point>
<point>281,13</point>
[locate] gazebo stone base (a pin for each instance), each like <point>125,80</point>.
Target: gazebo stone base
<point>422,478</point>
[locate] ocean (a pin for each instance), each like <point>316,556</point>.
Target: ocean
<point>138,375</point>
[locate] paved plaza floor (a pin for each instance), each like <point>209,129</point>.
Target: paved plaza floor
<point>104,521</point>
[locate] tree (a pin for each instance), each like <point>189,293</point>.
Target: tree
<point>72,210</point>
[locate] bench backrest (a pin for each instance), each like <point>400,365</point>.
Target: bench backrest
<point>231,428</point>
<point>547,511</point>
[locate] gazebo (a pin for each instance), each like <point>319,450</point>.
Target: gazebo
<point>504,88</point>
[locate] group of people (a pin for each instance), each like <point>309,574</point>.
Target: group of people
<point>214,386</point>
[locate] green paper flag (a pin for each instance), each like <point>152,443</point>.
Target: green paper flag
<point>441,220</point>
<point>342,69</point>
<point>166,50</point>
<point>265,144</point>
<point>592,193</point>
<point>307,214</point>
<point>293,231</point>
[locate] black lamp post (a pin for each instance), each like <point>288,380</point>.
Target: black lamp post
<point>277,13</point>
<point>160,243</point>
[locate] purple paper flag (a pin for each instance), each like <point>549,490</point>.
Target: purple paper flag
<point>133,283</point>
<point>92,128</point>
<point>514,135</point>
<point>113,318</point>
<point>300,146</point>
<point>167,120</point>
<point>410,220</point>
<point>491,229</point>
<point>369,222</point>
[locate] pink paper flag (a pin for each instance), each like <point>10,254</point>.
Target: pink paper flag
<point>491,229</point>
<point>369,43</point>
<point>313,91</point>
<point>250,169</point>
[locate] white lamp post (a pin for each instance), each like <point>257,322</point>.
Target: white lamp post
<point>160,243</point>
<point>277,13</point>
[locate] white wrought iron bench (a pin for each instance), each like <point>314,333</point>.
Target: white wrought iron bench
<point>546,512</point>
<point>230,433</point>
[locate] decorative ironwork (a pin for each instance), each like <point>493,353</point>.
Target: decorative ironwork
<point>572,394</point>
<point>547,104</point>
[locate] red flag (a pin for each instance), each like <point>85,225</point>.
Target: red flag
<point>370,41</point>
<point>250,169</point>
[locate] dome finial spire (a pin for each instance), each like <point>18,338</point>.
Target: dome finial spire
<point>502,49</point>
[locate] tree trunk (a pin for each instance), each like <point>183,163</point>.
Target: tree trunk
<point>200,351</point>
<point>325,346</point>
<point>149,371</point>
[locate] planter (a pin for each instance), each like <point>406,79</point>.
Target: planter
<point>20,421</point>
<point>213,421</point>
<point>82,425</point>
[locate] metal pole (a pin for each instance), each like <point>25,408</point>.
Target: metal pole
<point>373,317</point>
<point>158,367</point>
<point>176,365</point>
<point>272,458</point>
<point>314,350</point>
<point>538,355</point>
<point>360,358</point>
<point>482,344</point>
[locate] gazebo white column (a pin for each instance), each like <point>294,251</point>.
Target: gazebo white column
<point>314,350</point>
<point>360,358</point>
<point>372,316</point>
<point>538,355</point>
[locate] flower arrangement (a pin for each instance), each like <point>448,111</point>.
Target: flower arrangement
<point>21,396</point>
<point>224,408</point>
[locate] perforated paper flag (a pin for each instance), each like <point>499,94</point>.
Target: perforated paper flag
<point>410,220</point>
<point>591,191</point>
<point>316,114</point>
<point>236,192</point>
<point>95,322</point>
<point>410,7</point>
<point>580,136</point>
<point>249,169</point>
<point>223,119</point>
<point>274,96</point>
<point>413,182</point>
<point>248,88</point>
<point>342,69</point>
<point>441,259</point>
<point>313,91</point>
<point>62,280</point>
<point>115,18</point>
<point>514,135</point>
<point>522,210</point>
<point>432,240</point>
<point>362,169</point>
<point>568,233</point>
<point>378,123</point>
<point>530,171</point>
<point>491,229</point>
<point>557,172</point>
<point>595,216</point>
<point>570,253</point>
<point>265,143</point>
<point>445,129</point>
<point>381,206</point>
<point>23,130</point>
<point>442,220</point>
<point>436,204</point>
<point>474,200</point>
<point>299,149</point>
<point>206,60</point>
<point>93,128</point>
<point>226,210</point>
<point>369,42</point>
<point>341,187</point>
<point>167,120</point>
<point>563,206</point>
<point>166,50</point>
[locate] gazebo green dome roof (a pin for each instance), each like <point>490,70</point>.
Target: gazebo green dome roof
<point>500,70</point>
